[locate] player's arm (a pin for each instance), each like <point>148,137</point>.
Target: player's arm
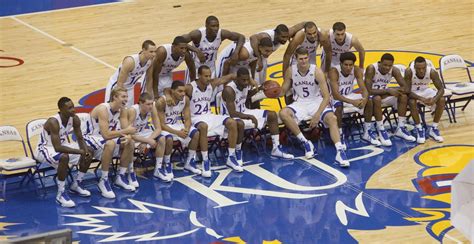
<point>358,46</point>
<point>76,124</point>
<point>235,37</point>
<point>187,114</point>
<point>222,80</point>
<point>229,98</point>
<point>359,75</point>
<point>152,83</point>
<point>323,87</point>
<point>285,87</point>
<point>294,29</point>
<point>52,127</point>
<point>253,68</point>
<point>127,66</point>
<point>401,82</point>
<point>438,84</point>
<point>254,41</point>
<point>127,116</point>
<point>188,90</point>
<point>290,50</point>
<point>191,66</point>
<point>160,108</point>
<point>369,77</point>
<point>326,44</point>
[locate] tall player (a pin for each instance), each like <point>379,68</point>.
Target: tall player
<point>139,116</point>
<point>235,95</point>
<point>176,121</point>
<point>107,138</point>
<point>54,148</point>
<point>341,42</point>
<point>168,58</point>
<point>311,101</point>
<point>208,39</point>
<point>418,77</point>
<point>310,38</point>
<point>341,80</point>
<point>200,93</point>
<point>131,70</point>
<point>377,77</point>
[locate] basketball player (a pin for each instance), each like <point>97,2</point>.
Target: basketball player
<point>106,137</point>
<point>208,39</point>
<point>341,42</point>
<point>139,116</point>
<point>311,102</point>
<point>418,78</point>
<point>54,148</point>
<point>182,129</point>
<point>310,38</point>
<point>377,77</point>
<point>131,70</point>
<point>235,95</point>
<point>200,93</point>
<point>168,58</point>
<point>341,80</point>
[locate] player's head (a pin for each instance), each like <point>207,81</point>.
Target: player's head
<point>145,101</point>
<point>420,66</point>
<point>149,49</point>
<point>265,47</point>
<point>282,34</point>
<point>180,46</point>
<point>311,31</point>
<point>212,25</point>
<point>301,55</point>
<point>66,106</point>
<point>119,95</point>
<point>386,63</point>
<point>339,31</point>
<point>243,77</point>
<point>347,62</point>
<point>205,74</point>
<point>178,90</point>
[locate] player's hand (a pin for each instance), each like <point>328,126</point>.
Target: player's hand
<point>254,121</point>
<point>201,56</point>
<point>88,154</point>
<point>152,143</point>
<point>355,103</point>
<point>141,147</point>
<point>314,120</point>
<point>129,130</point>
<point>125,139</point>
<point>169,100</point>
<point>393,92</point>
<point>429,101</point>
<point>259,64</point>
<point>364,102</point>
<point>182,133</point>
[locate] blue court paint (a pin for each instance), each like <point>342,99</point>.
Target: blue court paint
<point>14,7</point>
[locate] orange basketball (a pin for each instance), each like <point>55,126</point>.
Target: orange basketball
<point>271,89</point>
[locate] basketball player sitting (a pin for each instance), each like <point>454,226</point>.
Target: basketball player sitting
<point>235,95</point>
<point>311,94</point>
<point>418,77</point>
<point>54,148</point>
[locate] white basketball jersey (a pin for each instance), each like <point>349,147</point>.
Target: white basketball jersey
<point>304,86</point>
<point>208,48</point>
<point>419,84</point>
<point>380,81</point>
<point>170,64</point>
<point>141,123</point>
<point>173,114</point>
<point>271,33</point>
<point>135,75</point>
<point>200,102</point>
<point>240,98</point>
<point>346,83</point>
<point>337,49</point>
<point>113,117</point>
<point>45,137</point>
<point>311,47</point>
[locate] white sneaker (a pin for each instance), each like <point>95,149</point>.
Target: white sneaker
<point>308,149</point>
<point>169,170</point>
<point>371,137</point>
<point>122,182</point>
<point>206,169</point>
<point>105,189</point>
<point>420,135</point>
<point>341,159</point>
<point>278,152</point>
<point>384,138</point>
<point>232,162</point>
<point>238,155</point>
<point>343,141</point>
<point>434,133</point>
<point>132,179</point>
<point>77,188</point>
<point>404,134</point>
<point>63,199</point>
<point>191,166</point>
<point>160,173</point>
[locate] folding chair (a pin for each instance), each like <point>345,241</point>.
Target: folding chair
<point>14,166</point>
<point>462,90</point>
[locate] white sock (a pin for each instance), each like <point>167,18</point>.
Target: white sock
<point>367,126</point>
<point>105,175</point>
<point>238,146</point>
<point>380,126</point>
<point>231,151</point>
<point>435,125</point>
<point>340,131</point>
<point>159,162</point>
<point>301,137</point>
<point>418,126</point>
<point>205,156</point>
<point>130,168</point>
<point>122,170</point>
<point>61,186</point>
<point>276,140</point>
<point>401,121</point>
<point>191,155</point>
<point>167,159</point>
<point>79,176</point>
<point>338,145</point>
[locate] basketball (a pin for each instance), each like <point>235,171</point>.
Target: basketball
<point>271,89</point>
